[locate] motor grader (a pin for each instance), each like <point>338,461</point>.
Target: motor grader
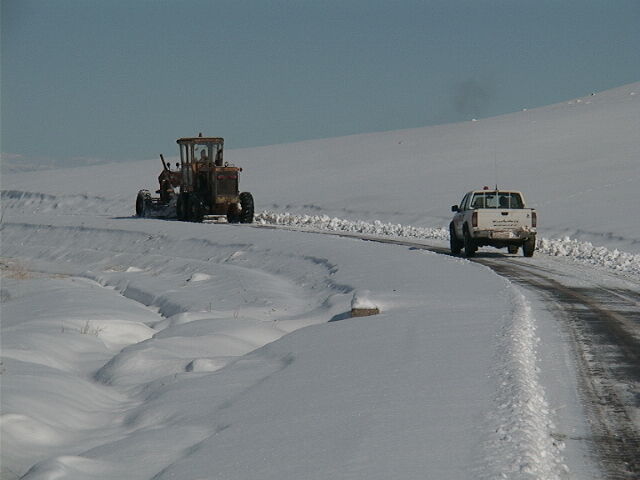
<point>203,187</point>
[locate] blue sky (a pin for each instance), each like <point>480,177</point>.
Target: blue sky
<point>94,80</point>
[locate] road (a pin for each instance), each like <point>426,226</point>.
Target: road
<point>601,315</point>
<point>603,324</point>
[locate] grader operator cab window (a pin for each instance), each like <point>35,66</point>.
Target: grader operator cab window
<point>201,153</point>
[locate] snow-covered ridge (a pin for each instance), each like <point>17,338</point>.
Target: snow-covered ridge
<point>584,252</point>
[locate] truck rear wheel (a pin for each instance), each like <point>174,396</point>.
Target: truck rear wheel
<point>454,244</point>
<point>513,249</point>
<point>470,246</point>
<point>528,247</point>
<point>246,202</point>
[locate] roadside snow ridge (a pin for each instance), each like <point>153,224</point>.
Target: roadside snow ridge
<point>523,443</point>
<point>584,252</point>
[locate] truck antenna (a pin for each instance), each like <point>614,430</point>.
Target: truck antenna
<point>495,168</point>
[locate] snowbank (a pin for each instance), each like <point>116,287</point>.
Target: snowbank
<point>583,252</point>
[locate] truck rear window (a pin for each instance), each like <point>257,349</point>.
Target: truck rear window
<point>496,200</point>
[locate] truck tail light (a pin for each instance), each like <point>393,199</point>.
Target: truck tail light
<point>534,219</point>
<point>474,219</point>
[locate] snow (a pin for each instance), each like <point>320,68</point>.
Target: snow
<point>141,348</point>
<point>344,379</point>
<point>584,252</point>
<point>523,412</point>
<point>362,299</point>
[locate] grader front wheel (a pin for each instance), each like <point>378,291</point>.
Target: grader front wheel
<point>142,203</point>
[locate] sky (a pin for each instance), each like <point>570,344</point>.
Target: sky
<point>86,81</point>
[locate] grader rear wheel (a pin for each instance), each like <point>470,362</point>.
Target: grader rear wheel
<point>233,214</point>
<point>182,207</point>
<point>246,202</point>
<point>195,209</point>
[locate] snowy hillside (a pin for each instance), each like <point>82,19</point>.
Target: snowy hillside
<point>148,349</point>
<point>577,162</point>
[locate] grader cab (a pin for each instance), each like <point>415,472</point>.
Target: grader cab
<point>202,188</point>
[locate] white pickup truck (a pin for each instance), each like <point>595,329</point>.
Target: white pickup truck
<point>497,218</point>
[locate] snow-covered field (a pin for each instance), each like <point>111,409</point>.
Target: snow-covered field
<point>140,348</point>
